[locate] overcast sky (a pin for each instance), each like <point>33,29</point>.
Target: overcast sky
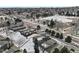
<point>38,3</point>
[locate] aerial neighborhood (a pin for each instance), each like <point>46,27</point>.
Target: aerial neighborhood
<point>39,30</point>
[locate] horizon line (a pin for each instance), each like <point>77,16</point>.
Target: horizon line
<point>39,7</point>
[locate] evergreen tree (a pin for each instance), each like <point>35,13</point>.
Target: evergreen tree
<point>36,50</point>
<point>56,50</point>
<point>38,27</point>
<point>61,36</point>
<point>36,47</point>
<point>77,13</point>
<point>57,35</point>
<point>8,23</point>
<point>52,33</point>
<point>68,39</point>
<point>65,50</point>
<point>38,15</point>
<point>52,23</point>
<point>67,14</point>
<point>49,31</point>
<point>73,50</point>
<point>46,30</point>
<point>24,51</point>
<point>45,15</point>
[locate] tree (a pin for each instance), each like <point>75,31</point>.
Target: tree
<point>9,12</point>
<point>48,25</point>
<point>57,35</point>
<point>77,13</point>
<point>67,14</point>
<point>44,39</point>
<point>38,27</point>
<point>52,33</point>
<point>73,50</point>
<point>8,23</point>
<point>45,15</point>
<point>24,51</point>
<point>16,51</point>
<point>35,40</point>
<point>36,45</point>
<point>61,36</point>
<point>36,50</point>
<point>65,50</point>
<point>68,39</point>
<point>38,15</point>
<point>44,22</point>
<point>52,23</point>
<point>49,31</point>
<point>46,30</point>
<point>47,38</point>
<point>56,50</point>
<point>7,39</point>
<point>17,20</point>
